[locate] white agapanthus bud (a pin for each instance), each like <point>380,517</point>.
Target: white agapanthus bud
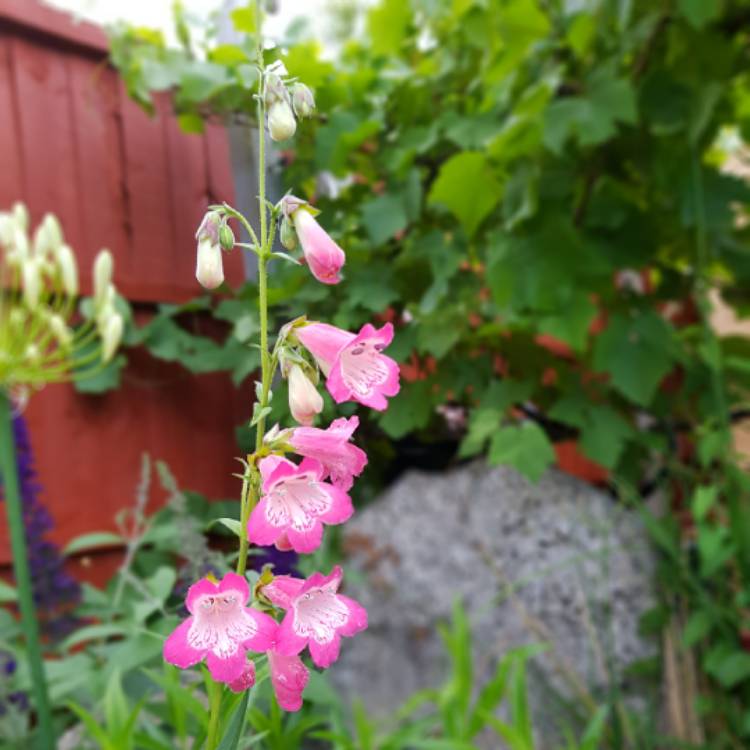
<point>48,236</point>
<point>103,265</point>
<point>21,216</point>
<point>304,399</point>
<point>60,330</point>
<point>66,262</point>
<point>112,335</point>
<point>281,122</point>
<point>302,100</point>
<point>32,282</point>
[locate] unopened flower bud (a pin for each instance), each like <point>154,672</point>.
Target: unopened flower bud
<point>209,227</point>
<point>302,100</point>
<point>281,122</point>
<point>21,216</point>
<point>48,236</point>
<point>32,282</point>
<point>111,336</point>
<point>304,400</point>
<point>275,90</point>
<point>60,330</point>
<point>31,353</point>
<point>226,237</point>
<point>103,265</point>
<point>287,234</point>
<point>209,269</point>
<point>66,262</point>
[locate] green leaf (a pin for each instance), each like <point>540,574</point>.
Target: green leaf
<point>231,523</point>
<point>233,732</point>
<point>572,324</point>
<point>102,631</point>
<point>116,710</point>
<point>93,540</point>
<point>387,25</point>
<point>604,435</point>
<point>383,217</point>
<point>190,122</point>
<point>468,188</point>
<point>732,669</point>
<point>700,12</point>
<point>243,19</point>
<point>410,411</point>
<point>637,351</point>
<point>100,379</point>
<point>525,447</point>
<point>483,423</point>
<point>704,498</point>
<point>698,626</point>
<point>715,549</point>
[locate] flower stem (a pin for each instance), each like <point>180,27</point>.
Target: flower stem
<point>10,481</point>
<point>250,482</point>
<point>215,692</point>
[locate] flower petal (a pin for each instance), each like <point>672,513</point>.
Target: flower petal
<point>324,654</point>
<point>198,589</point>
<point>283,589</point>
<point>358,617</point>
<point>289,677</point>
<point>229,668</point>
<point>178,651</point>
<point>288,643</point>
<point>265,636</point>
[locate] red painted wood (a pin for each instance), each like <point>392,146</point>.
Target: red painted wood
<point>11,175</point>
<point>45,22</point>
<point>72,143</point>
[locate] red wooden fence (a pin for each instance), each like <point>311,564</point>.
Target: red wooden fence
<point>71,142</point>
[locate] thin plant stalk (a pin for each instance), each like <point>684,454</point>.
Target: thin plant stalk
<point>250,480</point>
<point>10,481</point>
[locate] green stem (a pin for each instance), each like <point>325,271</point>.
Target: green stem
<point>9,471</point>
<point>250,483</point>
<point>212,739</point>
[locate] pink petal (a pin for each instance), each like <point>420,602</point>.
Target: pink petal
<point>323,341</point>
<point>306,541</point>
<point>357,621</point>
<point>282,543</point>
<point>259,530</point>
<point>198,589</point>
<point>235,582</point>
<point>229,669</point>
<point>274,471</point>
<point>289,677</point>
<point>283,590</point>
<point>288,643</point>
<point>267,630</point>
<point>341,509</point>
<point>312,466</point>
<point>319,581</point>
<point>324,654</point>
<point>324,257</point>
<point>178,651</point>
<point>245,681</point>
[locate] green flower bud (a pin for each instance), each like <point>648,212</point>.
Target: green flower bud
<point>287,234</point>
<point>226,237</point>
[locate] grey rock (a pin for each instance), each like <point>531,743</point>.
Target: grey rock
<point>559,561</point>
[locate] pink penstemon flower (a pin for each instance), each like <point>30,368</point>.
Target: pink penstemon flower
<point>289,678</point>
<point>324,257</point>
<point>354,364</point>
<point>220,629</point>
<point>294,505</point>
<point>316,615</point>
<point>341,460</point>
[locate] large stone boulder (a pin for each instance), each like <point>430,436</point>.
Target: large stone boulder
<point>558,561</point>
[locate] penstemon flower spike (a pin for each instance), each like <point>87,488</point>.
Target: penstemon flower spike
<point>285,502</point>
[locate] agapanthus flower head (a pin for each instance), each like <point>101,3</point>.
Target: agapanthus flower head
<point>341,460</point>
<point>355,366</point>
<point>220,629</point>
<point>316,615</point>
<point>294,505</point>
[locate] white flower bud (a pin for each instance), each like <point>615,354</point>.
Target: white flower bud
<point>60,330</point>
<point>304,400</point>
<point>209,268</point>
<point>66,262</point>
<point>111,336</point>
<point>281,122</point>
<point>275,90</point>
<point>7,229</point>
<point>31,354</point>
<point>32,282</point>
<point>302,100</point>
<point>48,236</point>
<point>103,264</point>
<point>21,216</point>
